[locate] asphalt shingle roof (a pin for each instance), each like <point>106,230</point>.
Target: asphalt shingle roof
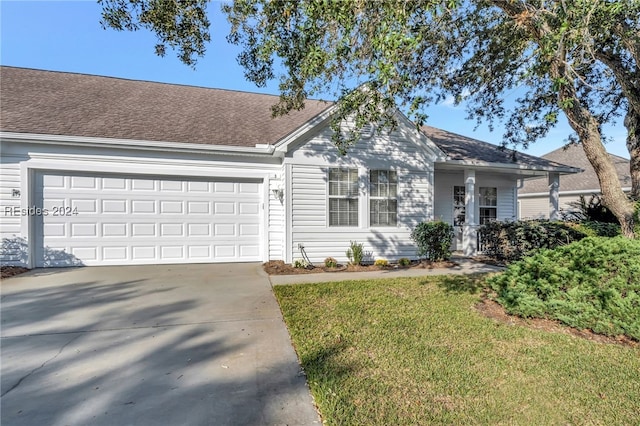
<point>463,148</point>
<point>61,103</point>
<point>587,180</point>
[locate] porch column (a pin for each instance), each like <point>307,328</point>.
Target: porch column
<point>469,233</point>
<point>554,196</point>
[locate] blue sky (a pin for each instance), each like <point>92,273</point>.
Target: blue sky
<point>67,36</point>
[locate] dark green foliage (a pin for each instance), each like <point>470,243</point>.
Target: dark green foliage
<point>180,25</point>
<point>404,261</point>
<point>590,211</point>
<point>597,229</point>
<point>592,284</point>
<point>511,241</point>
<point>433,240</point>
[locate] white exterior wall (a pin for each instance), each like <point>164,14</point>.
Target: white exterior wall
<point>13,249</point>
<point>276,216</point>
<point>308,194</point>
<point>537,207</point>
<point>21,161</point>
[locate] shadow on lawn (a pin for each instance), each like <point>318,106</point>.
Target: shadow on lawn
<point>460,284</point>
<point>317,364</point>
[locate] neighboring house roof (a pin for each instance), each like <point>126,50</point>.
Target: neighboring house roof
<point>472,151</point>
<point>586,181</point>
<point>62,103</point>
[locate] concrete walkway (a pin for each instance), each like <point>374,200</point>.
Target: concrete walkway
<point>465,266</point>
<point>148,345</point>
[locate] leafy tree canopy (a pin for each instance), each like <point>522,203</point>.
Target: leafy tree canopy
<point>575,57</point>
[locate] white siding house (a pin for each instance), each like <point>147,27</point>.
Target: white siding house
<point>533,194</point>
<point>104,171</point>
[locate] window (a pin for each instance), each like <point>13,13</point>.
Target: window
<point>459,205</point>
<point>343,197</point>
<point>488,204</point>
<point>383,202</point>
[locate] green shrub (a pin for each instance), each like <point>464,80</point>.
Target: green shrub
<point>592,284</point>
<point>590,211</point>
<point>597,229</point>
<point>511,241</point>
<point>381,263</point>
<point>404,261</point>
<point>330,262</point>
<point>355,253</point>
<point>433,240</point>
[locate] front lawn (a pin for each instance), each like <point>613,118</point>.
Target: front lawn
<point>415,351</point>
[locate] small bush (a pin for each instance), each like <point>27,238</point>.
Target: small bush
<point>355,253</point>
<point>330,262</point>
<point>300,264</point>
<point>511,241</point>
<point>381,263</point>
<point>404,261</point>
<point>433,240</point>
<point>592,284</point>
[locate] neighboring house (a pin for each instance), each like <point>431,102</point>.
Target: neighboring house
<point>533,196</point>
<point>107,171</point>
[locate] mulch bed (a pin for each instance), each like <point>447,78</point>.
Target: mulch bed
<point>10,271</point>
<point>491,309</point>
<point>278,267</point>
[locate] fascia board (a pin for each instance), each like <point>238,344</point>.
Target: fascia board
<point>135,144</point>
<point>561,192</point>
<point>282,146</point>
<point>515,167</point>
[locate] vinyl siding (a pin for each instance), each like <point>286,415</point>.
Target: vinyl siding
<point>538,207</point>
<point>276,219</point>
<point>310,229</point>
<point>13,250</point>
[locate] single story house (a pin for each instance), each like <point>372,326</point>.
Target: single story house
<point>109,171</point>
<point>533,195</point>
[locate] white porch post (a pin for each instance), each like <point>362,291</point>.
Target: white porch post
<point>554,196</point>
<point>469,234</point>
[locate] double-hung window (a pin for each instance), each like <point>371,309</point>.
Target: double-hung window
<point>459,205</point>
<point>343,197</point>
<point>383,197</point>
<point>488,204</point>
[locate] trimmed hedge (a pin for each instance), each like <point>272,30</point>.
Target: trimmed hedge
<point>511,241</point>
<point>592,284</point>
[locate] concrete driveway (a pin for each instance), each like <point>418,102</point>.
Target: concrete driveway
<point>148,345</point>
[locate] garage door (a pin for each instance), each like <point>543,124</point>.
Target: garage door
<point>118,220</point>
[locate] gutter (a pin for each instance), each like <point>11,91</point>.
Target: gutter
<point>488,165</point>
<point>561,192</point>
<point>133,144</point>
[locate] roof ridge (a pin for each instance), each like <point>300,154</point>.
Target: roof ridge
<point>134,80</point>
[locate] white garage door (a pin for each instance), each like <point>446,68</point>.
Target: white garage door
<point>118,220</point>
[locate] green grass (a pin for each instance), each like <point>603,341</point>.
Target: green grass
<point>414,351</point>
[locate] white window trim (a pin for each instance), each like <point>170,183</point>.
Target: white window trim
<point>357,197</point>
<point>483,206</point>
<point>369,198</point>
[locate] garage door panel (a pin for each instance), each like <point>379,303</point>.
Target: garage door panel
<point>155,220</point>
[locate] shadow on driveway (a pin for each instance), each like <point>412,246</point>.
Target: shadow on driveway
<point>192,344</point>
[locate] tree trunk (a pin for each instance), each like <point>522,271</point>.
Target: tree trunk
<point>632,123</point>
<point>586,126</point>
